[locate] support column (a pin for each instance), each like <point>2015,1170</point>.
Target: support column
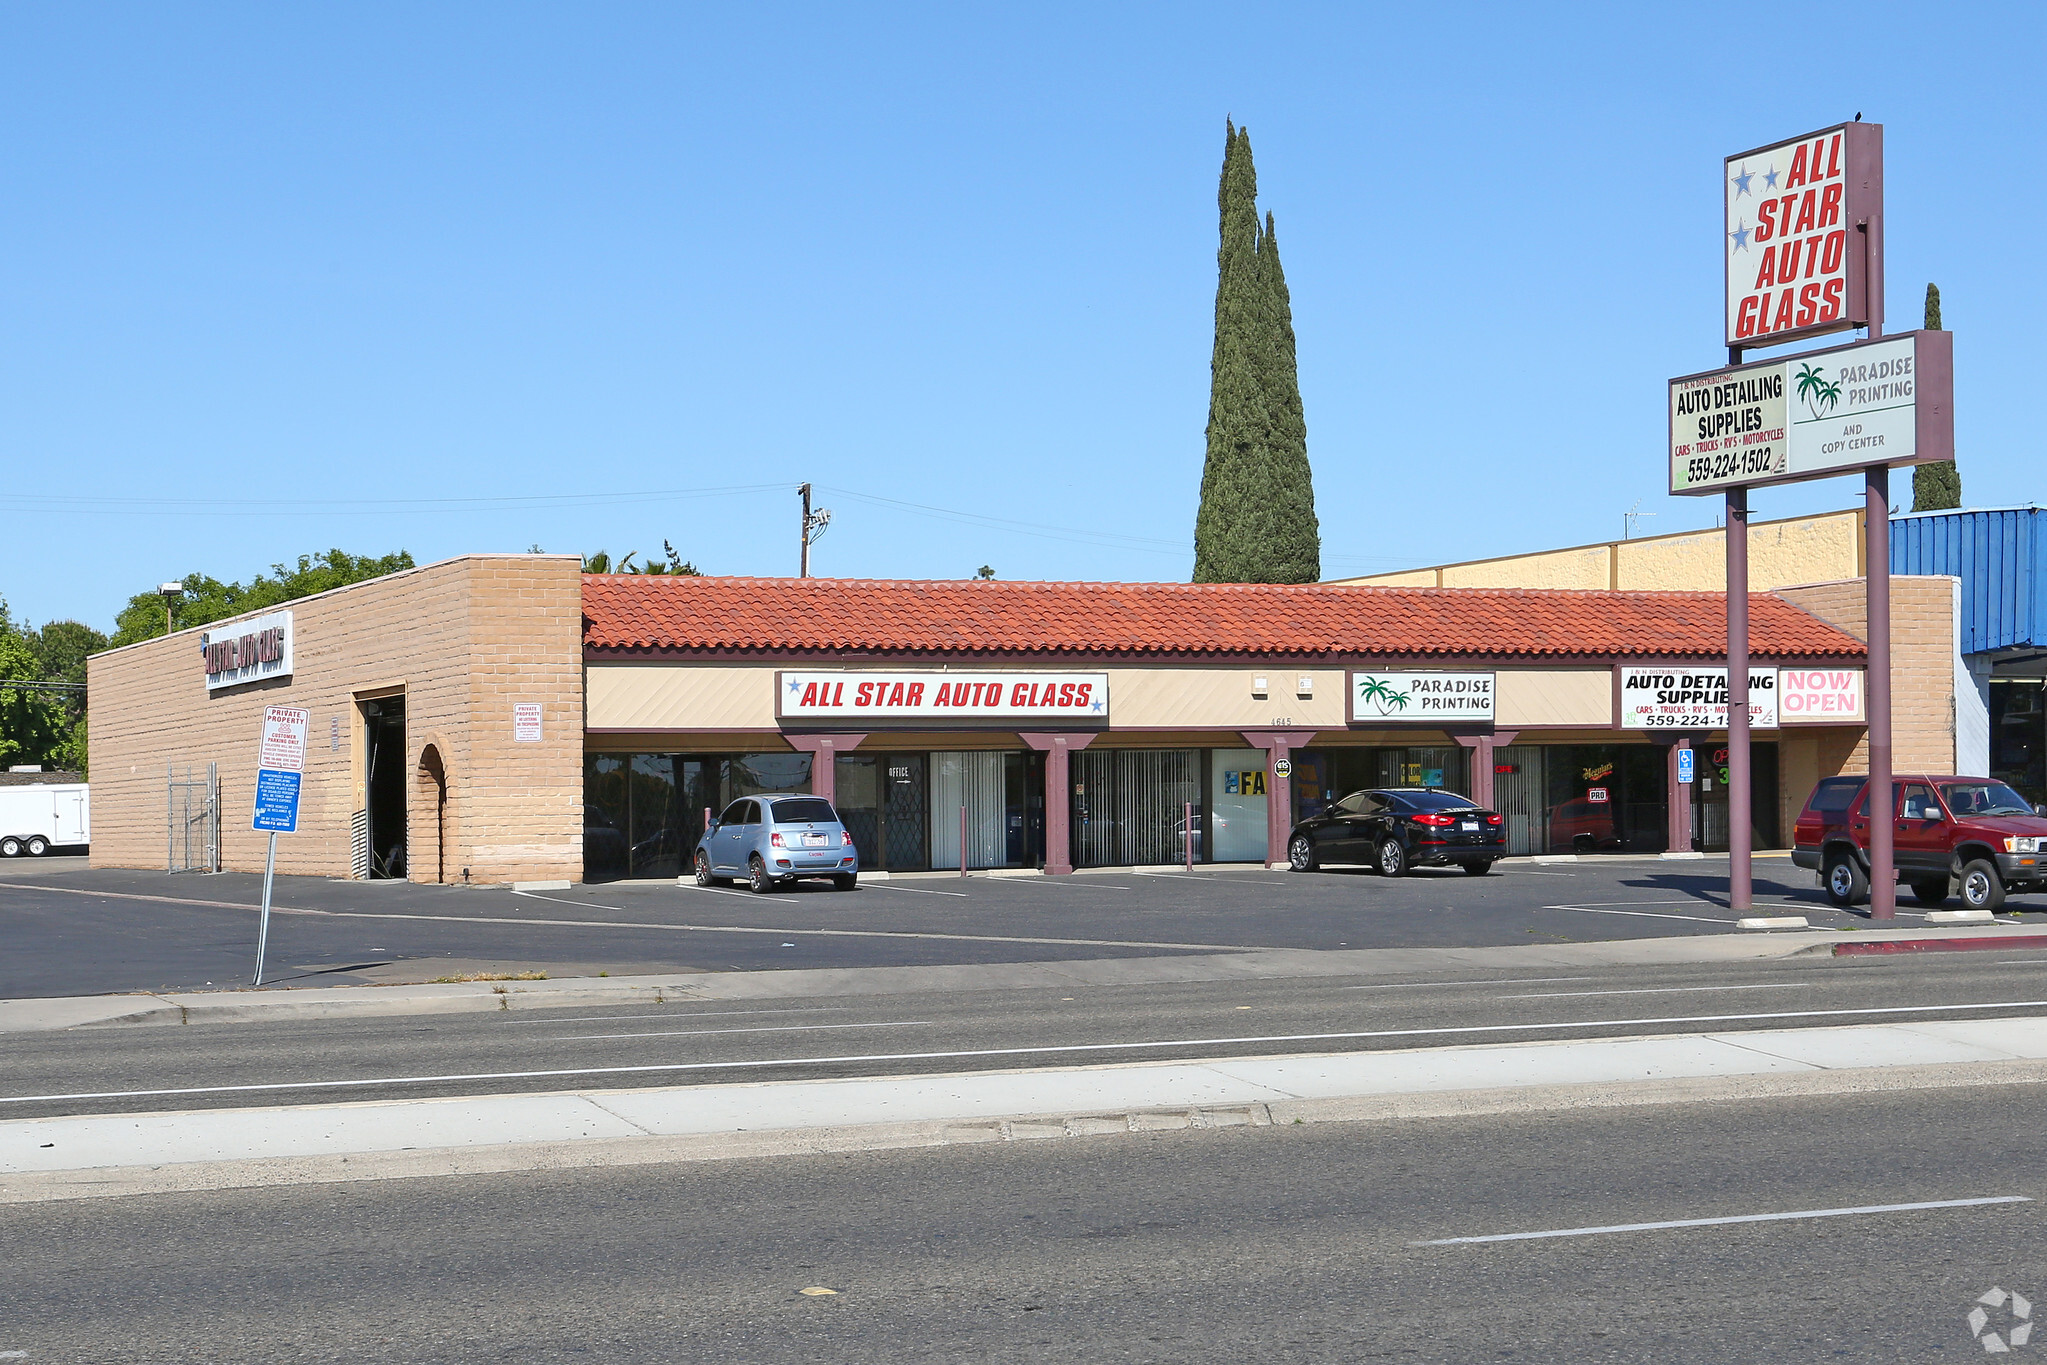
<point>1484,747</point>
<point>1677,823</point>
<point>1058,797</point>
<point>1279,804</point>
<point>823,749</point>
<point>1883,879</point>
<point>1740,886</point>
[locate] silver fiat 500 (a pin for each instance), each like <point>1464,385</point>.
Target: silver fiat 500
<point>773,840</point>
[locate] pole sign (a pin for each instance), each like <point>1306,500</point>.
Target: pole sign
<point>280,763</point>
<point>1811,416</point>
<point>1804,235</point>
<point>1682,697</point>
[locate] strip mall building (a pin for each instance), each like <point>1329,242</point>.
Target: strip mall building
<point>507,717</point>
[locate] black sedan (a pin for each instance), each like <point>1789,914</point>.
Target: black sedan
<point>1395,828</point>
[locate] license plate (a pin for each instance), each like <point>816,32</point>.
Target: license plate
<point>1471,825</point>
<point>821,840</point>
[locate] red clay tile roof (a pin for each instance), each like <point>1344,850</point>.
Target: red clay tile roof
<point>630,612</point>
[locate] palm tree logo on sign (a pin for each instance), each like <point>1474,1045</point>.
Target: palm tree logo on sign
<point>1380,695</point>
<point>1820,396</point>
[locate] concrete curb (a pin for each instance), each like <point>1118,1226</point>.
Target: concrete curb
<point>345,1002</point>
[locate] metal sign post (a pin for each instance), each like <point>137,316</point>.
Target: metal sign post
<point>1740,885</point>
<point>280,764</point>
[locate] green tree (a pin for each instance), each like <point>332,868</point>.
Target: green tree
<point>673,563</point>
<point>208,599</point>
<point>1935,486</point>
<point>33,722</point>
<point>1257,519</point>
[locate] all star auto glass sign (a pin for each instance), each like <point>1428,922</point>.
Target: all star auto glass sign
<point>1428,698</point>
<point>942,697</point>
<point>1684,697</point>
<point>1794,234</point>
<point>1888,402</point>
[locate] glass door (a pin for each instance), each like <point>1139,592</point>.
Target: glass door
<point>970,798</point>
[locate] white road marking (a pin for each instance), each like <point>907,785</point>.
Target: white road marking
<point>1040,1050</point>
<point>1724,1222</point>
<point>918,890</point>
<point>708,1032</point>
<point>670,1014</point>
<point>1660,990</point>
<point>1508,981</point>
<point>1645,914</point>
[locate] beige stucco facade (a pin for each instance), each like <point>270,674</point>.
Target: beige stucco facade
<point>460,641</point>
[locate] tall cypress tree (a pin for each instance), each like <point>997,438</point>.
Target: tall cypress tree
<point>1257,520</point>
<point>1935,486</point>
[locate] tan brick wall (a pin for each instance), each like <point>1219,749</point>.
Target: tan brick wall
<point>464,639</point>
<point>1922,671</point>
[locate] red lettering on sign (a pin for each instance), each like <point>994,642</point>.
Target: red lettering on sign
<point>1830,205</point>
<point>1766,271</point>
<point>1797,176</point>
<point>1016,696</point>
<point>1066,694</point>
<point>1080,693</point>
<point>1745,317</point>
<point>809,695</point>
<point>1834,158</point>
<point>1783,319</point>
<point>916,697</point>
<point>943,698</point>
<point>1766,220</point>
<point>1830,300</point>
<point>838,694</point>
<point>895,695</point>
<point>860,693</point>
<point>1808,210</point>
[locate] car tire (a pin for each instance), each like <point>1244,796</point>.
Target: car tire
<point>848,881</point>
<point>37,846</point>
<point>1931,891</point>
<point>1300,854</point>
<point>1392,858</point>
<point>10,847</point>
<point>1845,882</point>
<point>1479,868</point>
<point>1982,886</point>
<point>705,877</point>
<point>757,879</point>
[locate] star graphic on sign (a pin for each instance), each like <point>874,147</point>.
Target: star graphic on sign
<point>1770,178</point>
<point>1740,236</point>
<point>1741,181</point>
<point>1095,706</point>
<point>795,684</point>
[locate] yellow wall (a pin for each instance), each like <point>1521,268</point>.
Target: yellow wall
<point>1814,549</point>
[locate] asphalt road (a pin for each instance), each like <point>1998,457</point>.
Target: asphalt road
<point>682,1043</point>
<point>70,930</point>
<point>1286,1244</point>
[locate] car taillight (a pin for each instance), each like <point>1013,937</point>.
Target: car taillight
<point>1436,820</point>
<point>1496,819</point>
<point>776,840</point>
<point>846,837</point>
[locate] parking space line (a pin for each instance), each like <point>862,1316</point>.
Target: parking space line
<point>1645,914</point>
<point>1725,1222</point>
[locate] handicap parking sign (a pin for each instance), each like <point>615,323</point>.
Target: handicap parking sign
<point>1684,765</point>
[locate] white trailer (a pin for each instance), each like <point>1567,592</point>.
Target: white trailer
<point>39,817</point>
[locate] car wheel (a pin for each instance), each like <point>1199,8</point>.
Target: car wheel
<point>704,874</point>
<point>849,881</point>
<point>1931,891</point>
<point>1846,882</point>
<point>757,879</point>
<point>1392,858</point>
<point>1300,854</point>
<point>1982,887</point>
<point>38,846</point>
<point>1479,868</point>
<point>10,847</point>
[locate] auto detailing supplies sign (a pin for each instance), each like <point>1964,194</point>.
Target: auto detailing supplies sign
<point>280,762</point>
<point>861,697</point>
<point>1887,402</point>
<point>1424,697</point>
<point>1681,697</point>
<point>247,651</point>
<point>1799,217</point>
<point>1819,694</point>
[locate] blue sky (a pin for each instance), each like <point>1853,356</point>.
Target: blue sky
<point>479,277</point>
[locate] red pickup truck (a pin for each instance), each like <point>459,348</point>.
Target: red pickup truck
<point>1974,832</point>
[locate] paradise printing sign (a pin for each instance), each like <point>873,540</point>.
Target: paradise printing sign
<point>1682,697</point>
<point>1801,219</point>
<point>247,651</point>
<point>1427,698</point>
<point>863,697</point>
<point>1883,402</point>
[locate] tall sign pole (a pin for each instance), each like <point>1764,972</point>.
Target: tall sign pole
<point>280,765</point>
<point>1803,254</point>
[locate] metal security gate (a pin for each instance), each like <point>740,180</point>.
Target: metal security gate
<point>194,820</point>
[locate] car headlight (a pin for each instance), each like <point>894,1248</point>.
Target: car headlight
<point>2022,843</point>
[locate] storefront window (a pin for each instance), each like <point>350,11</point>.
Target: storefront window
<point>1130,806</point>
<point>1324,776</point>
<point>2018,735</point>
<point>1582,798</point>
<point>1709,797</point>
<point>1236,794</point>
<point>643,813</point>
<point>995,800</point>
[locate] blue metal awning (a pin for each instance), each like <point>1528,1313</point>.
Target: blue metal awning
<point>1999,553</point>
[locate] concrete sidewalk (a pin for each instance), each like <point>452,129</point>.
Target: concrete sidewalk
<point>77,1157</point>
<point>253,1006</point>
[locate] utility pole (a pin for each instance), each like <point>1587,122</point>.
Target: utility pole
<point>814,524</point>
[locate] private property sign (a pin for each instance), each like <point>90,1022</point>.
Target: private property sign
<point>1809,416</point>
<point>1800,220</point>
<point>942,697</point>
<point>1684,697</point>
<point>1428,698</point>
<point>280,765</point>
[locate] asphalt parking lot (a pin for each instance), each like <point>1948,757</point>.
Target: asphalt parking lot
<point>73,930</point>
